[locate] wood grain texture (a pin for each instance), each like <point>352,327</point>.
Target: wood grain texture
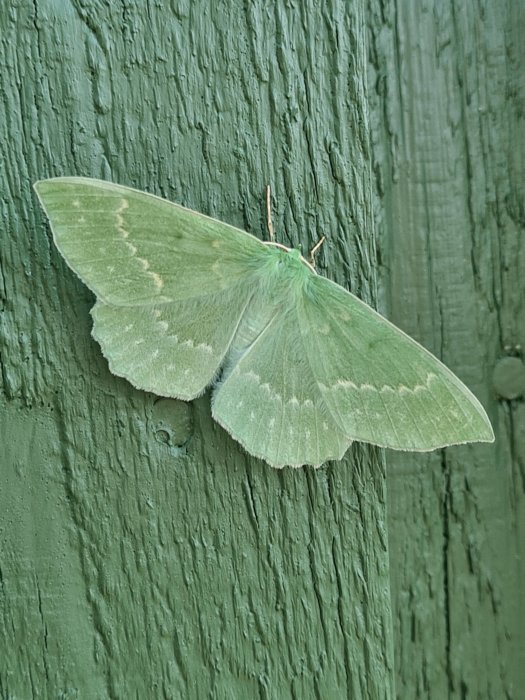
<point>142,553</point>
<point>449,159</point>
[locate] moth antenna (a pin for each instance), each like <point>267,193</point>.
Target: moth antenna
<point>315,249</point>
<point>269,212</point>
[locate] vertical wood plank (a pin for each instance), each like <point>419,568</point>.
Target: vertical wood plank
<point>143,554</point>
<point>449,154</point>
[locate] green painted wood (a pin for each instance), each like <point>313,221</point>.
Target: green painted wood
<point>448,142</point>
<point>142,553</point>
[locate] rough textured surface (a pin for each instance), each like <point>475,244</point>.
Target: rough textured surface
<point>449,160</point>
<point>142,554</point>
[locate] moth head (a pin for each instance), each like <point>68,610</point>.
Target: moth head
<point>288,258</point>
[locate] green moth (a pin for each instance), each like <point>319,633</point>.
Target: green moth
<point>300,368</point>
